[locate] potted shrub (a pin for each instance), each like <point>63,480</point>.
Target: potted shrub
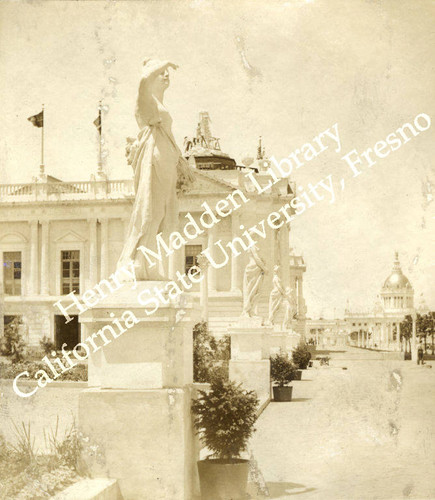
<point>301,357</point>
<point>282,372</point>
<point>224,419</point>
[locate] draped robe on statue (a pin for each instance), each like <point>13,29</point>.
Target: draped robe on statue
<point>156,159</point>
<point>252,281</point>
<point>275,298</point>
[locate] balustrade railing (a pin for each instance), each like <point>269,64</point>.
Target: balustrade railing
<point>66,190</point>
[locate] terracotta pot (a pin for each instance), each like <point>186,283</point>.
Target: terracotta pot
<point>282,393</point>
<point>223,479</point>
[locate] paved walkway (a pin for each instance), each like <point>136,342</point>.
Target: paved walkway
<point>361,433</point>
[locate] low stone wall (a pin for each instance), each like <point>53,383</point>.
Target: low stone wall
<point>59,399</point>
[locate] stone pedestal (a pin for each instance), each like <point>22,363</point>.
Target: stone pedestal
<point>249,363</point>
<point>284,341</point>
<point>135,417</point>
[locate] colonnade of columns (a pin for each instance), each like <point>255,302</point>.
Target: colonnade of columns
<point>383,335</point>
<point>40,263</point>
<point>95,261</point>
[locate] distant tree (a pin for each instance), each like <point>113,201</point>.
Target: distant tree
<point>210,355</point>
<point>13,342</point>
<point>425,326</point>
<point>406,332</point>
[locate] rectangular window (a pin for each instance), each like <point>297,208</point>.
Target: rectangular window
<point>191,256</point>
<point>12,273</point>
<point>70,280</point>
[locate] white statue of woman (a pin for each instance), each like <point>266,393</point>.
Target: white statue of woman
<point>156,159</point>
<point>253,278</point>
<point>290,310</point>
<point>276,296</point>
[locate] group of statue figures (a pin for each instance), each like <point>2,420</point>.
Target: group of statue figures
<point>253,279</point>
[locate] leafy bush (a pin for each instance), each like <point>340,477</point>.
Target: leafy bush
<point>225,418</point>
<point>282,369</point>
<point>210,355</point>
<point>47,345</point>
<point>324,360</point>
<point>11,370</point>
<point>13,344</point>
<point>301,357</point>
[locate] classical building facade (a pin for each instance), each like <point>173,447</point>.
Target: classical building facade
<point>57,237</point>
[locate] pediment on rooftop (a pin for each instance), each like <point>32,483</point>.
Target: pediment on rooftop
<point>207,184</point>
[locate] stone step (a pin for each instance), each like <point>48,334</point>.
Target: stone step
<point>91,489</point>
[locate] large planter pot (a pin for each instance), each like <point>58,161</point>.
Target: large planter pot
<point>223,479</point>
<point>282,393</point>
<point>298,375</point>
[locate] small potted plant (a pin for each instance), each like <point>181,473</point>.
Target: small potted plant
<point>224,419</point>
<point>301,357</point>
<point>282,372</point>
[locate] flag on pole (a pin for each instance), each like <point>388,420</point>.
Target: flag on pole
<point>37,120</point>
<point>97,121</point>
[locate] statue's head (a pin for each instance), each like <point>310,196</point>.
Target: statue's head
<point>161,83</point>
<point>275,269</point>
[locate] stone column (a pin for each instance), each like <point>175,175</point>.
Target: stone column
<point>212,274</point>
<point>172,265</point>
<point>104,248</point>
<point>285,259</point>
<point>45,258</point>
<point>204,264</point>
<point>33,288</point>
<point>235,260</point>
<point>93,253</point>
<point>125,223</point>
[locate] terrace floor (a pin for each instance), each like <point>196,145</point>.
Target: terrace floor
<point>361,433</point>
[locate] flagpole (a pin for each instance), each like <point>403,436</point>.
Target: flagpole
<point>42,167</point>
<point>100,160</point>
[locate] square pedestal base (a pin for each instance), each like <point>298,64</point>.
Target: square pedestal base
<point>143,438</point>
<point>254,375</point>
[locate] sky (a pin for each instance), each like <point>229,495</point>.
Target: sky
<point>285,71</point>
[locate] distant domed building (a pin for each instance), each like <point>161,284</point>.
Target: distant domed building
<point>381,327</point>
<point>397,293</point>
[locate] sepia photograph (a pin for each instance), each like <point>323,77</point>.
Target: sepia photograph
<point>217,241</point>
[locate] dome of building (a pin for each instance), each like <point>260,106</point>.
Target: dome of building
<point>397,280</point>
